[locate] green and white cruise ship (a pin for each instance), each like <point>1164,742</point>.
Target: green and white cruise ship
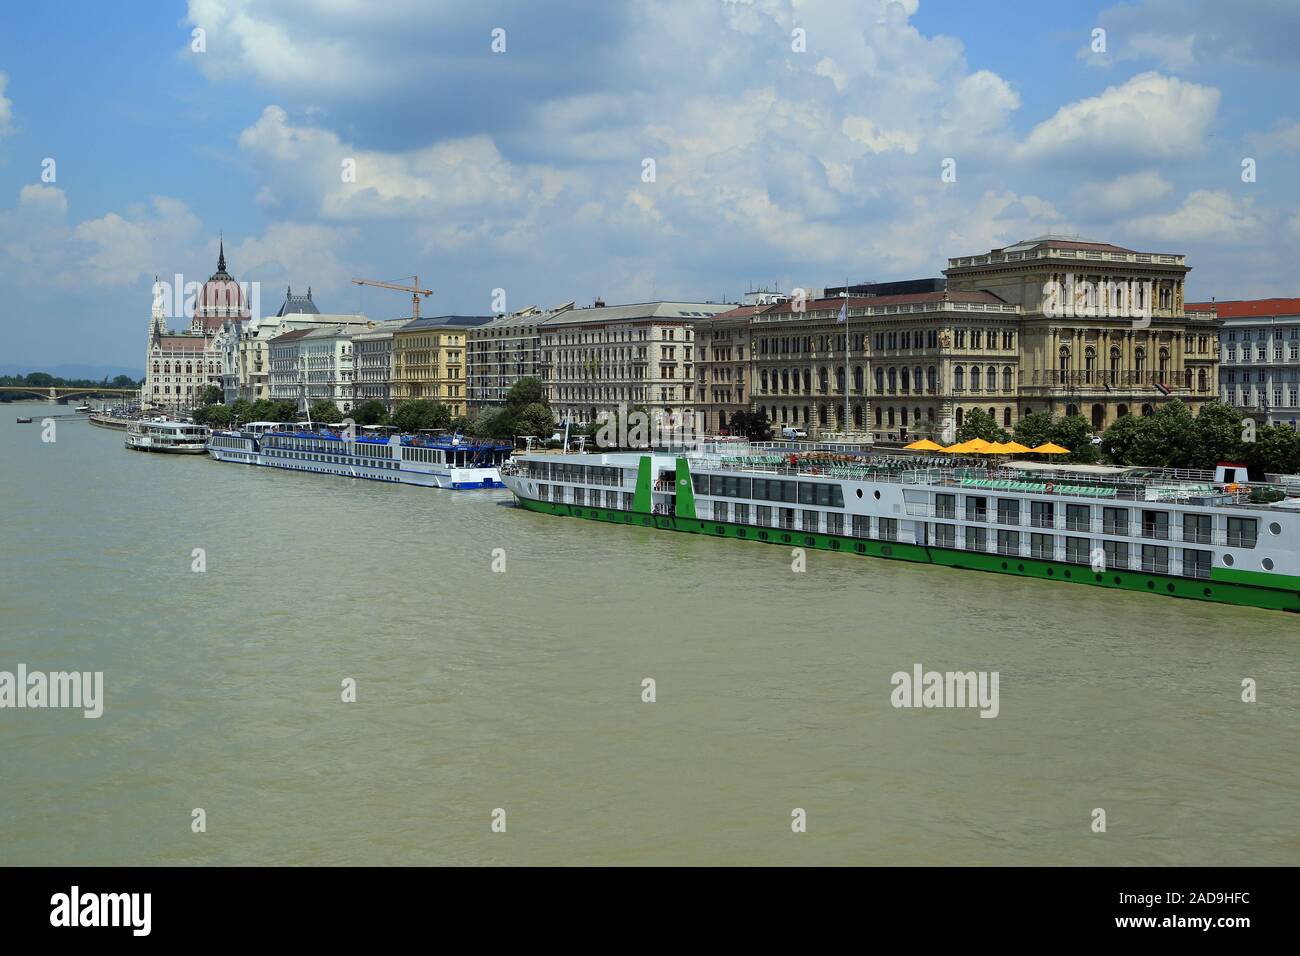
<point>1195,535</point>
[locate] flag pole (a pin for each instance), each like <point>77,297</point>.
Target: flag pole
<point>845,427</point>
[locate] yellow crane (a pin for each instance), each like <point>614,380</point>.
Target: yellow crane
<point>414,289</point>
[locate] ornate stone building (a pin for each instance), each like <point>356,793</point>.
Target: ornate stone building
<point>1103,329</point>
<point>722,367</point>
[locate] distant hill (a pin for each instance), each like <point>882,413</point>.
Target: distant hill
<point>95,373</point>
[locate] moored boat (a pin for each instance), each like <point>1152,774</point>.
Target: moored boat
<point>430,461</point>
<point>1185,534</point>
<point>168,437</point>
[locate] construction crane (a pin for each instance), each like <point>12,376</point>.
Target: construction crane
<point>414,289</point>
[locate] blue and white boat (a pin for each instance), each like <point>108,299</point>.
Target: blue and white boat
<point>436,461</point>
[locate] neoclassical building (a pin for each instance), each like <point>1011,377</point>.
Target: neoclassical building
<point>1103,331</point>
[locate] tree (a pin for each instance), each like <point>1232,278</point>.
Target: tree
<point>1275,451</point>
<point>370,413</point>
<point>980,424</point>
<point>211,396</point>
<point>752,425</point>
<point>1121,441</point>
<point>242,410</point>
<point>535,418</point>
<point>1035,429</point>
<point>1075,433</point>
<point>123,381</point>
<point>526,391</point>
<point>218,416</point>
<point>414,415</point>
<point>325,411</point>
<point>1218,434</point>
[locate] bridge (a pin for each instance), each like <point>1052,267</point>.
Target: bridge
<point>60,394</point>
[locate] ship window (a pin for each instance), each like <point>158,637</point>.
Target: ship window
<point>1196,563</point>
<point>1076,550</point>
<point>1241,532</point>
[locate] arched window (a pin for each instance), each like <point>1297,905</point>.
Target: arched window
<point>958,378</point>
<point>974,378</point>
<point>1201,380</point>
<point>1139,361</point>
<point>991,377</point>
<point>1114,365</point>
<point>880,383</point>
<point>893,381</point>
<point>902,412</point>
<point>906,378</point>
<point>1006,379</point>
<point>1063,362</point>
<point>764,379</point>
<point>959,417</point>
<point>891,416</point>
<point>1089,364</point>
<point>821,415</point>
<point>857,381</point>
<point>879,415</point>
<point>932,379</point>
<point>1006,418</point>
<point>1163,355</point>
<point>821,380</point>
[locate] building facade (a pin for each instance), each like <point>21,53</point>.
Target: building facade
<point>1103,331</point>
<point>429,360</point>
<point>505,350</point>
<point>372,353</point>
<point>596,359</point>
<point>722,367</point>
<point>179,366</point>
<point>1259,355</point>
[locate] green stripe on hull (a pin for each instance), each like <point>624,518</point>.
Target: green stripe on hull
<point>1215,590</point>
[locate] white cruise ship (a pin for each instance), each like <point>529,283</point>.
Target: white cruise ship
<point>441,461</point>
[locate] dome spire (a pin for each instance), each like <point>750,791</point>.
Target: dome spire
<point>221,258</point>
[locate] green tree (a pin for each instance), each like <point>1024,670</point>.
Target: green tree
<point>218,416</point>
<point>325,411</point>
<point>1218,431</point>
<point>211,396</point>
<point>411,416</point>
<point>752,425</point>
<point>123,381</point>
<point>978,423</point>
<point>1275,451</point>
<point>1121,441</point>
<point>527,391</point>
<point>370,413</point>
<point>1036,428</point>
<point>242,411</point>
<point>534,418</point>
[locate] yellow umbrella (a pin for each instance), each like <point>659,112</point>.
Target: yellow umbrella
<point>923,444</point>
<point>1014,448</point>
<point>975,446</point>
<point>1050,449</point>
<point>996,448</point>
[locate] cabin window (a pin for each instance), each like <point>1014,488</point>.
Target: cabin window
<point>1078,517</point>
<point>1077,550</point>
<point>861,526</point>
<point>945,535</point>
<point>812,520</point>
<point>1155,559</point>
<point>1008,542</point>
<point>1155,524</point>
<point>977,539</point>
<point>834,523</point>
<point>1042,546</point>
<point>945,506</point>
<point>977,509</point>
<point>1042,514</point>
<point>1197,528</point>
<point>1114,521</point>
<point>1242,532</point>
<point>1196,563</point>
<point>888,529</point>
<point>1008,511</point>
<point>742,514</point>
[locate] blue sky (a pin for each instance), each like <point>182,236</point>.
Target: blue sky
<point>523,170</point>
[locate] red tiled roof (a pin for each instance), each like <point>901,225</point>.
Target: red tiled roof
<point>186,343</point>
<point>1248,308</point>
<point>740,312</point>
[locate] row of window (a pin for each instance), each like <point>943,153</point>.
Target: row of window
<point>826,494</point>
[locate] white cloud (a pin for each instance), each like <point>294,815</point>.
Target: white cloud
<point>121,250</point>
<point>1149,117</point>
<point>1283,138</point>
<point>1207,216</point>
<point>6,106</point>
<point>1121,194</point>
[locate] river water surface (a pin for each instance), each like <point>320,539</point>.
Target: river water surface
<point>522,690</point>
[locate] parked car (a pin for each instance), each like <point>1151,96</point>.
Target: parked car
<point>793,434</point>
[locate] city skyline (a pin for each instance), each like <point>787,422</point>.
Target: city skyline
<point>786,150</point>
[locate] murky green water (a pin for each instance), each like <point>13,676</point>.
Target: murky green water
<point>522,690</point>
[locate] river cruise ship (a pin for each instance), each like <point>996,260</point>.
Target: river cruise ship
<point>1186,534</point>
<point>161,435</point>
<point>440,461</point>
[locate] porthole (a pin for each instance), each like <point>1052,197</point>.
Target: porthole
<point>886,550</point>
<point>1170,587</point>
<point>1206,592</point>
<point>1151,585</point>
<point>1274,528</point>
<point>1050,572</point>
<point>762,535</point>
<point>1020,567</point>
<point>785,539</point>
<point>1118,579</point>
<point>1067,574</point>
<point>1227,559</point>
<point>1267,564</point>
<point>859,492</point>
<point>740,532</point>
<point>1004,565</point>
<point>877,494</point>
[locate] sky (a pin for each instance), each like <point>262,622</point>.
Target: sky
<point>574,150</point>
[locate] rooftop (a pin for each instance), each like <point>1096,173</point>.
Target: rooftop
<point>1248,308</point>
<point>640,310</point>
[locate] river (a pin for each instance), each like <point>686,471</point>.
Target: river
<point>521,689</point>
